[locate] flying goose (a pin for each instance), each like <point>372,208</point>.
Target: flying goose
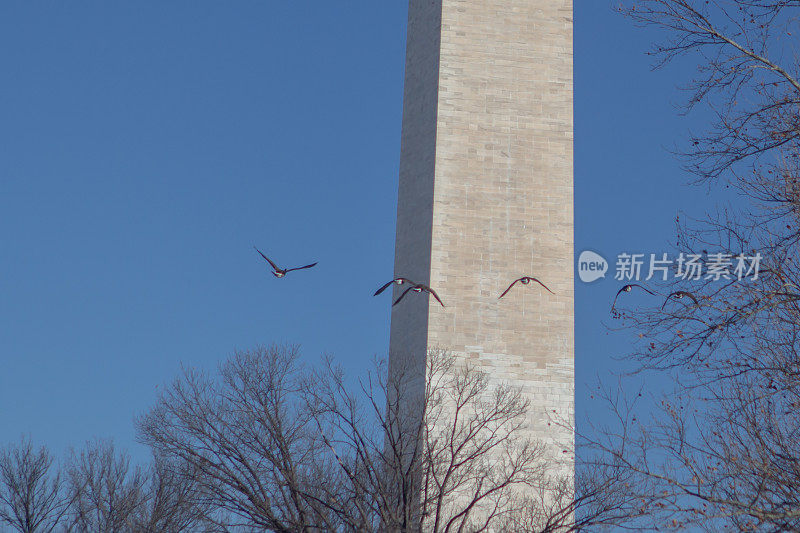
<point>679,295</point>
<point>524,280</point>
<point>419,287</point>
<point>629,288</point>
<point>276,270</point>
<point>398,281</point>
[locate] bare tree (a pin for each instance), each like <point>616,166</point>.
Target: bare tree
<point>250,440</point>
<point>721,451</point>
<point>747,71</point>
<point>449,455</point>
<point>598,497</point>
<point>171,502</point>
<point>32,498</point>
<point>280,447</point>
<point>107,492</point>
<point>97,490</point>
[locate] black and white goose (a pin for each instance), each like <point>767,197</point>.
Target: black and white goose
<point>419,287</point>
<point>277,271</point>
<point>396,281</point>
<point>679,295</point>
<point>629,288</point>
<point>524,280</point>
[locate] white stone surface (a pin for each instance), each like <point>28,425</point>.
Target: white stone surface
<point>486,196</point>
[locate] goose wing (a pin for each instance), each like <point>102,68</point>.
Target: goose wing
<point>383,288</point>
<point>433,293</point>
<point>402,296</point>
<point>300,268</point>
<point>268,260</point>
<point>509,287</point>
<point>643,288</point>
<point>395,280</point>
<point>542,284</point>
<point>614,303</point>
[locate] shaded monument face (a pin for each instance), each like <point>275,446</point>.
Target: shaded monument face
<point>486,197</point>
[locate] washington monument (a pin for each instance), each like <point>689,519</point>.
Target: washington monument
<point>486,197</point>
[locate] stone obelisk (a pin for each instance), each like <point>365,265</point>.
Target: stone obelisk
<point>486,196</point>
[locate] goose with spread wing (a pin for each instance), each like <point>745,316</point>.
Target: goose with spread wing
<point>419,287</point>
<point>277,271</point>
<point>524,280</point>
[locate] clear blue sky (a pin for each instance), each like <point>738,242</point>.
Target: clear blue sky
<point>146,146</point>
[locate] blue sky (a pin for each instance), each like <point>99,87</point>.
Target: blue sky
<point>145,147</point>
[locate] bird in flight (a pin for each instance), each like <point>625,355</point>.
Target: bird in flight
<point>678,295</point>
<point>629,288</point>
<point>398,281</point>
<point>419,287</point>
<point>277,271</point>
<point>524,280</point>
